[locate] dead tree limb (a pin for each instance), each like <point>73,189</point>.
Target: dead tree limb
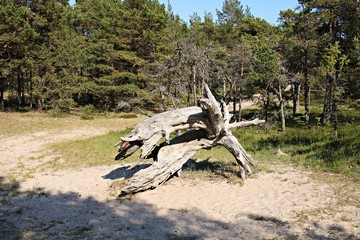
<point>207,126</point>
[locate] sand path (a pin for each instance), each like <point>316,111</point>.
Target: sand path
<point>283,203</point>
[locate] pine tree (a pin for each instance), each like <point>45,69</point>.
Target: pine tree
<point>333,64</point>
<point>299,46</point>
<point>16,38</point>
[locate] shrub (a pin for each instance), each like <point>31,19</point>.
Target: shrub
<point>88,112</point>
<point>63,105</point>
<point>123,107</point>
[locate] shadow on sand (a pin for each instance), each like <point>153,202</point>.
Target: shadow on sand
<point>125,172</point>
<point>38,214</point>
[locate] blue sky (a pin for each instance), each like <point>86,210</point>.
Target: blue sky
<point>268,10</point>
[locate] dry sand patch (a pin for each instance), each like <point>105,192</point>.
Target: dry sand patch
<point>284,203</point>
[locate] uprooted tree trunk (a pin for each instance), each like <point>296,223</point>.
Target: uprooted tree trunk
<point>207,126</point>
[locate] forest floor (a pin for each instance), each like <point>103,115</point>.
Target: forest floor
<point>282,202</point>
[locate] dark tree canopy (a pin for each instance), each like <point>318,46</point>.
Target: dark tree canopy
<point>128,55</point>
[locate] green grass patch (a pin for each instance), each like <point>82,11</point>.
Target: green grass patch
<point>175,236</point>
<point>22,123</point>
<point>308,145</point>
<point>314,147</point>
<point>220,161</point>
<point>90,152</point>
<point>218,154</point>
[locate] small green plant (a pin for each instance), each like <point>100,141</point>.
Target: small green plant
<point>19,211</point>
<point>8,188</point>
<point>36,191</point>
<point>355,104</point>
<point>81,230</point>
<point>123,107</point>
<point>175,236</point>
<point>62,106</point>
<point>88,112</point>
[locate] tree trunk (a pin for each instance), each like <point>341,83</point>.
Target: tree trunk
<point>240,88</point>
<point>306,87</point>
<point>188,94</point>
<point>296,99</point>
<point>1,98</point>
<point>224,88</point>
<point>240,108</point>
<point>208,126</point>
<point>266,105</point>
<point>282,113</point>
<point>283,125</point>
<point>327,99</point>
<point>307,100</point>
<point>203,81</point>
<point>20,90</point>
<point>194,85</point>
<point>31,91</point>
<point>234,99</point>
<point>334,107</point>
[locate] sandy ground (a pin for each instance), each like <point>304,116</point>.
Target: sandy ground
<point>282,203</point>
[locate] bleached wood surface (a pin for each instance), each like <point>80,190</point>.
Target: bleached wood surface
<point>207,126</point>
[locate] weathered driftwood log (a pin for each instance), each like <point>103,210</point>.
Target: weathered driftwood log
<point>208,126</point>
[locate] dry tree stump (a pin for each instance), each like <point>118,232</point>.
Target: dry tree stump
<point>207,126</point>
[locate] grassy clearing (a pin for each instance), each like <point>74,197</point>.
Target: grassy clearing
<point>20,123</point>
<point>71,153</point>
<point>99,150</point>
<point>312,146</point>
<point>90,152</point>
<point>15,123</point>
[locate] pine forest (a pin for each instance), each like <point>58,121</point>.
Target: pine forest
<point>140,56</point>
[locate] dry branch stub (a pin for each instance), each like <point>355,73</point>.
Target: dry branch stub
<point>205,127</point>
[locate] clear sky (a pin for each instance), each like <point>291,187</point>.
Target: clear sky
<point>266,9</point>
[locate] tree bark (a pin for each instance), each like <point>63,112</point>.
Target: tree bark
<point>208,126</point>
<point>307,87</point>
<point>1,97</point>
<point>282,113</point>
<point>296,99</point>
<point>328,99</point>
<point>194,84</point>
<point>307,100</point>
<point>234,98</point>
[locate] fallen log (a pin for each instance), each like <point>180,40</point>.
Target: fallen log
<point>207,126</point>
